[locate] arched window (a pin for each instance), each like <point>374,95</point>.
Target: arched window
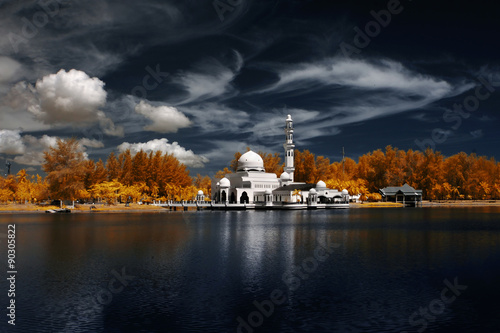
<point>244,198</point>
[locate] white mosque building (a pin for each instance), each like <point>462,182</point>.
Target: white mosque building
<point>252,187</point>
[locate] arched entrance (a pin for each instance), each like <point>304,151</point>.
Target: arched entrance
<point>244,198</point>
<point>233,198</point>
<point>223,196</point>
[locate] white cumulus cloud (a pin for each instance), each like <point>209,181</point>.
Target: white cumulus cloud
<point>11,142</point>
<point>65,98</point>
<point>165,119</point>
<point>69,97</point>
<point>184,156</point>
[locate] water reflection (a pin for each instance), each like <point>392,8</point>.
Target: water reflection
<point>199,271</point>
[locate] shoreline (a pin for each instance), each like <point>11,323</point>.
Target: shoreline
<point>135,208</point>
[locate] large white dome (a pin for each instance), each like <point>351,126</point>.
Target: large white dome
<point>250,161</point>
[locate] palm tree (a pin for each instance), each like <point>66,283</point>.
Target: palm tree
<point>297,193</point>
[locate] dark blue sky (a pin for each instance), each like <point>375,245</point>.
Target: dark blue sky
<point>204,79</point>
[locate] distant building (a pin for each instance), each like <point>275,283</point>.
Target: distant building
<point>251,184</point>
<point>405,194</point>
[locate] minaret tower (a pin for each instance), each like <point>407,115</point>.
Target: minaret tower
<point>289,147</point>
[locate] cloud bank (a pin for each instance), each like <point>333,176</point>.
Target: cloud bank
<point>186,157</point>
<point>10,142</point>
<point>28,149</point>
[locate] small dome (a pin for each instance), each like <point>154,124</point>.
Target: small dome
<point>200,192</point>
<point>345,192</point>
<point>321,184</point>
<point>288,117</point>
<point>285,176</point>
<point>224,182</point>
<point>217,184</point>
<point>312,191</point>
<point>268,191</point>
<point>250,161</point>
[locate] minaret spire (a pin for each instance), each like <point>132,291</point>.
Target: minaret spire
<point>289,147</point>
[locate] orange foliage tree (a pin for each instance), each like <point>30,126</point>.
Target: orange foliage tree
<point>460,176</point>
<point>66,170</point>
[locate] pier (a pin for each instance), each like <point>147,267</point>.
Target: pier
<point>200,205</point>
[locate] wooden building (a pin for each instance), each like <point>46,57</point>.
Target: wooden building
<point>405,194</point>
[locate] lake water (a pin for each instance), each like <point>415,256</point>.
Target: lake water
<point>357,270</point>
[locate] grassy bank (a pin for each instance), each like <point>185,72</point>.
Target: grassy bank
<point>31,208</point>
<point>135,208</point>
<point>375,205</point>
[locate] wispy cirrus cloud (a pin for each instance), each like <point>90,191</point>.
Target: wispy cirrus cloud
<point>217,117</point>
<point>208,79</point>
<point>359,90</point>
<point>88,30</point>
<point>383,74</point>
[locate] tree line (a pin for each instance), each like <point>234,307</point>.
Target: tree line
<point>460,176</point>
<point>126,177</point>
<point>160,176</point>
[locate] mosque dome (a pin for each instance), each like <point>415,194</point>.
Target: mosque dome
<point>285,176</point>
<point>224,182</point>
<point>321,184</point>
<point>250,161</point>
<point>200,192</point>
<point>312,191</point>
<point>345,192</point>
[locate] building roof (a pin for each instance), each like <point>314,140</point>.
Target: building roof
<point>285,176</point>
<point>405,189</point>
<point>250,161</point>
<point>293,187</point>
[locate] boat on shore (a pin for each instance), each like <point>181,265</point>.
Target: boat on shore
<point>61,210</point>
